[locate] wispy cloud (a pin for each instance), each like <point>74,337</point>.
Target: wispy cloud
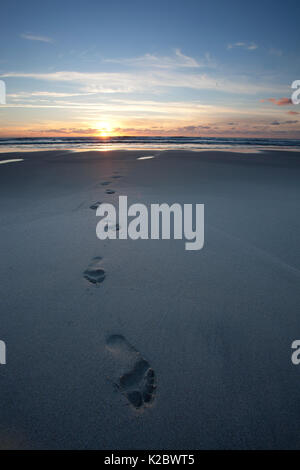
<point>33,37</point>
<point>278,102</point>
<point>179,60</point>
<point>149,81</point>
<point>69,131</point>
<point>43,94</point>
<point>177,110</point>
<point>277,123</point>
<point>249,46</point>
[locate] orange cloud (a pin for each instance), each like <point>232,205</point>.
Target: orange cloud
<point>278,102</point>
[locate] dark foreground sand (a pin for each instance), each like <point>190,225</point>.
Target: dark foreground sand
<point>211,330</point>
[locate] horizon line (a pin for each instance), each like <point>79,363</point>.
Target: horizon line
<point>145,136</point>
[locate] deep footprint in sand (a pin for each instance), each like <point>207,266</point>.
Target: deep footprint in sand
<point>138,383</point>
<point>94,272</point>
<point>110,191</point>
<point>96,205</point>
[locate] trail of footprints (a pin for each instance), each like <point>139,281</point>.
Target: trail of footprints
<point>95,272</point>
<point>138,383</point>
<point>108,191</point>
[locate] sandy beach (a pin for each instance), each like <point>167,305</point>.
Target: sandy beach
<point>211,330</point>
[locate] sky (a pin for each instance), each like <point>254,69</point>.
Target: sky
<point>193,67</point>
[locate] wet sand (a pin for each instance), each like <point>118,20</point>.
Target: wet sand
<point>124,344</point>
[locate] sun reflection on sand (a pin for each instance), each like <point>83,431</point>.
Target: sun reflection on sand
<point>148,157</point>
<point>12,160</point>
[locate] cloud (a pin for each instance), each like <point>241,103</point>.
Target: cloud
<point>137,108</point>
<point>200,126</point>
<point>32,37</point>
<point>190,129</point>
<point>277,123</point>
<point>195,130</point>
<point>153,81</point>
<point>151,130</point>
<point>69,131</point>
<point>249,46</point>
<point>179,60</point>
<point>43,94</point>
<point>278,102</point>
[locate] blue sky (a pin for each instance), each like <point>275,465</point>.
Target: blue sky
<point>137,67</point>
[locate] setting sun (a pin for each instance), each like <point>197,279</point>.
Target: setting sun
<point>104,129</point>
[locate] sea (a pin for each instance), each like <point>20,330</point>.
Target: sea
<point>146,143</point>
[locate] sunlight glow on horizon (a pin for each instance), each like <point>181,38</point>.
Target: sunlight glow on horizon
<point>104,129</point>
